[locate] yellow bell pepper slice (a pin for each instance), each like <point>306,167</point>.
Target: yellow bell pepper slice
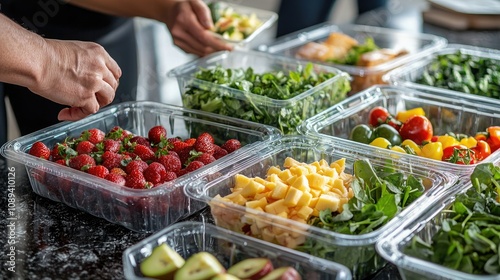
<point>470,142</point>
<point>403,116</point>
<point>380,142</point>
<point>412,145</point>
<point>433,150</point>
<point>447,141</point>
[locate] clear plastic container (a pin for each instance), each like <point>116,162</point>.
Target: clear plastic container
<point>139,210</point>
<point>392,247</point>
<point>357,252</point>
<point>416,44</point>
<point>446,111</point>
<point>268,19</point>
<point>408,75</point>
<point>188,238</point>
<point>283,114</point>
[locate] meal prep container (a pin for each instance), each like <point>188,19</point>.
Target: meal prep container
<point>241,104</point>
<point>268,19</point>
<point>408,75</point>
<point>188,238</point>
<point>392,246</point>
<point>139,210</point>
<point>446,111</point>
<point>357,252</point>
<point>417,44</point>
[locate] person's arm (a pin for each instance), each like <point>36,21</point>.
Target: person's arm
<point>188,21</point>
<point>81,75</point>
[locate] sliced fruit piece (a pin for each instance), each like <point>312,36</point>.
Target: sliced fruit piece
<point>283,273</point>
<point>224,276</point>
<point>200,266</point>
<point>162,263</point>
<point>253,268</point>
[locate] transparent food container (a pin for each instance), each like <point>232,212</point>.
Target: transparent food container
<point>446,111</point>
<point>416,44</point>
<point>283,114</point>
<point>267,18</point>
<point>408,76</point>
<point>357,252</point>
<point>141,210</point>
<point>393,246</point>
<point>188,238</point>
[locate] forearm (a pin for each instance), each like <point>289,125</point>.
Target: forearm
<point>20,60</point>
<point>153,9</point>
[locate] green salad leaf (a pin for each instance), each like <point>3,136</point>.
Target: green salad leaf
<point>354,53</point>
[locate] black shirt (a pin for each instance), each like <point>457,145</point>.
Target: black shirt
<point>57,19</point>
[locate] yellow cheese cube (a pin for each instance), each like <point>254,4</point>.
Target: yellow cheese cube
<point>285,174</point>
<point>315,193</point>
<point>252,189</point>
<point>301,183</point>
<point>330,172</point>
<point>241,181</point>
<point>276,207</point>
<point>313,202</point>
<point>316,181</point>
<point>338,184</point>
<point>257,203</point>
<point>327,202</point>
<point>315,213</point>
<point>279,191</point>
<point>305,199</point>
<point>293,196</point>
<point>339,165</point>
<point>304,212</point>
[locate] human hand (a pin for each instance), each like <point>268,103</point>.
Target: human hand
<point>79,74</point>
<point>189,23</point>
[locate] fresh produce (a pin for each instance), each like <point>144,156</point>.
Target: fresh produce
<point>411,132</point>
<point>465,236</point>
<point>231,24</point>
<point>256,94</point>
<point>166,263</point>
<point>132,160</point>
<point>465,73</point>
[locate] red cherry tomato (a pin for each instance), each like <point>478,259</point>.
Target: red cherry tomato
<point>417,128</point>
<point>482,150</point>
<point>377,116</point>
<point>459,154</point>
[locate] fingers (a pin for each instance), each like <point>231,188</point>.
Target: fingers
<point>113,67</point>
<point>202,12</point>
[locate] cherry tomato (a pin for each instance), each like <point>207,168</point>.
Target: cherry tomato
<point>377,116</point>
<point>417,128</point>
<point>482,150</point>
<point>459,154</point>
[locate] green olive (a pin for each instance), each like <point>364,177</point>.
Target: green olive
<point>362,133</point>
<point>388,132</point>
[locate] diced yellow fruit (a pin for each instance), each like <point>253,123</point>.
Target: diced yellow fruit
<point>339,165</point>
<point>282,238</point>
<point>273,178</point>
<point>291,179</point>
<point>315,213</point>
<point>311,168</point>
<point>343,200</point>
<point>304,212</point>
<point>270,185</point>
<point>316,181</point>
<point>316,164</point>
<point>327,202</point>
<point>241,181</point>
<point>305,199</point>
<point>289,162</point>
<point>338,184</point>
<point>330,172</point>
<point>283,214</point>
<point>276,207</point>
<point>335,192</point>
<point>298,170</point>
<point>239,199</point>
<point>280,191</point>
<point>252,189</point>
<point>257,203</point>
<point>313,202</point>
<point>315,193</point>
<point>323,162</point>
<point>267,234</point>
<point>293,196</point>
<point>285,174</point>
<point>255,229</point>
<point>293,242</point>
<point>262,194</point>
<point>231,196</point>
<point>259,180</point>
<point>301,183</point>
<point>273,170</point>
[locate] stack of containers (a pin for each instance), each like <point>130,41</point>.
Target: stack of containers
<point>416,45</point>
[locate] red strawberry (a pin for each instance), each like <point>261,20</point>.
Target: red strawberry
<point>179,146</point>
<point>219,152</point>
<point>181,172</point>
<point>85,147</point>
<point>157,133</point>
<point>185,155</point>
<point>111,160</point>
<point>206,158</point>
<point>116,178</point>
<point>99,171</point>
<point>119,171</point>
<point>40,150</point>
<point>155,173</point>
<point>94,135</point>
<point>140,140</point>
<point>61,162</point>
<point>111,145</point>
<point>117,133</point>
<point>82,162</point>
<point>195,164</point>
<point>170,162</point>
<point>144,152</point>
<point>62,151</point>
<point>190,141</point>
<point>136,165</point>
<point>169,176</point>
<point>205,137</point>
<point>205,143</point>
<point>174,139</point>
<point>135,180</point>
<point>231,145</point>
